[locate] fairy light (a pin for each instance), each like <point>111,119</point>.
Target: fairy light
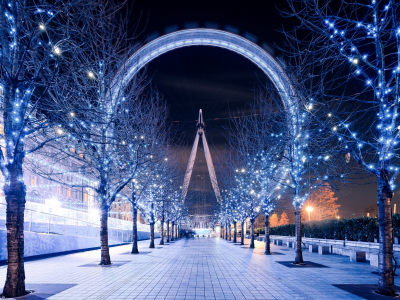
<point>57,50</point>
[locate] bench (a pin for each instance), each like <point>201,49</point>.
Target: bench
<point>357,256</point>
<point>323,250</point>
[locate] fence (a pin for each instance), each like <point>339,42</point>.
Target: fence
<point>63,221</point>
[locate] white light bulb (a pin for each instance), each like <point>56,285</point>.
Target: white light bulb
<point>57,50</point>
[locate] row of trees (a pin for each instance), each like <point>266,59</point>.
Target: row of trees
<point>271,159</point>
<point>342,59</point>
<point>274,220</point>
<point>63,111</point>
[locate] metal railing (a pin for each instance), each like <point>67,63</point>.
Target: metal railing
<point>65,222</point>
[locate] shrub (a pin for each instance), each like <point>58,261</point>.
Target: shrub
<point>363,229</point>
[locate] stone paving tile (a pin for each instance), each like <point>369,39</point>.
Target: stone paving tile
<point>207,269</point>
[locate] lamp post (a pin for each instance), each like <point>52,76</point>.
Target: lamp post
<point>309,209</point>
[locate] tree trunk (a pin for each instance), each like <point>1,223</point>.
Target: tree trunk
<point>172,231</point>
<point>105,251</point>
<point>252,234</point>
<point>234,232</point>
<point>152,235</point>
<point>267,242</point>
<point>162,232</point>
<point>225,232</point>
<point>135,248</point>
<point>167,231</point>
<point>242,234</point>
<point>386,274</point>
<point>230,232</point>
<point>299,253</point>
<point>15,197</point>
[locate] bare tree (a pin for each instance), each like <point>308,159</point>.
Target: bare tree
<point>108,135</point>
<point>32,35</point>
<point>232,206</point>
<point>262,156</point>
<point>348,63</point>
<point>163,179</point>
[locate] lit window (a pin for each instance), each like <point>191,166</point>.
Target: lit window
<point>85,197</point>
<point>59,190</point>
<point>69,192</point>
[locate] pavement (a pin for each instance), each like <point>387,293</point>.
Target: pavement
<point>196,268</point>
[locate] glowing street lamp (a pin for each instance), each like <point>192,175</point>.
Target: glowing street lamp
<point>309,209</point>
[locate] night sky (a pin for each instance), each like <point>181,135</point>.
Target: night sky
<point>216,80</point>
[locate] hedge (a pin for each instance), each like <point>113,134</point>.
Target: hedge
<point>363,229</point>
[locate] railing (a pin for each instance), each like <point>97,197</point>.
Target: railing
<point>69,222</point>
<point>371,247</point>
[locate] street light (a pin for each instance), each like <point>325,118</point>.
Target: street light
<point>309,209</point>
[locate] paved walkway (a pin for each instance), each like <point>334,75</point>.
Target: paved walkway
<point>199,268</point>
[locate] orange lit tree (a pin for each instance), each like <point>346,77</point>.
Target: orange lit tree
<point>323,203</point>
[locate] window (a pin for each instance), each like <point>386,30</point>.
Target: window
<point>2,129</point>
<point>69,192</point>
<point>85,197</point>
<point>59,190</point>
<point>34,180</point>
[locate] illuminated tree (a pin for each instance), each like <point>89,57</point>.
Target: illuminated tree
<point>323,202</point>
<point>261,155</point>
<point>106,135</point>
<point>284,220</point>
<point>273,220</point>
<point>161,198</point>
<point>232,208</point>
<point>34,39</point>
<point>348,63</point>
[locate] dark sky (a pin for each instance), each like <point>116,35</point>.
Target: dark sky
<point>216,80</point>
